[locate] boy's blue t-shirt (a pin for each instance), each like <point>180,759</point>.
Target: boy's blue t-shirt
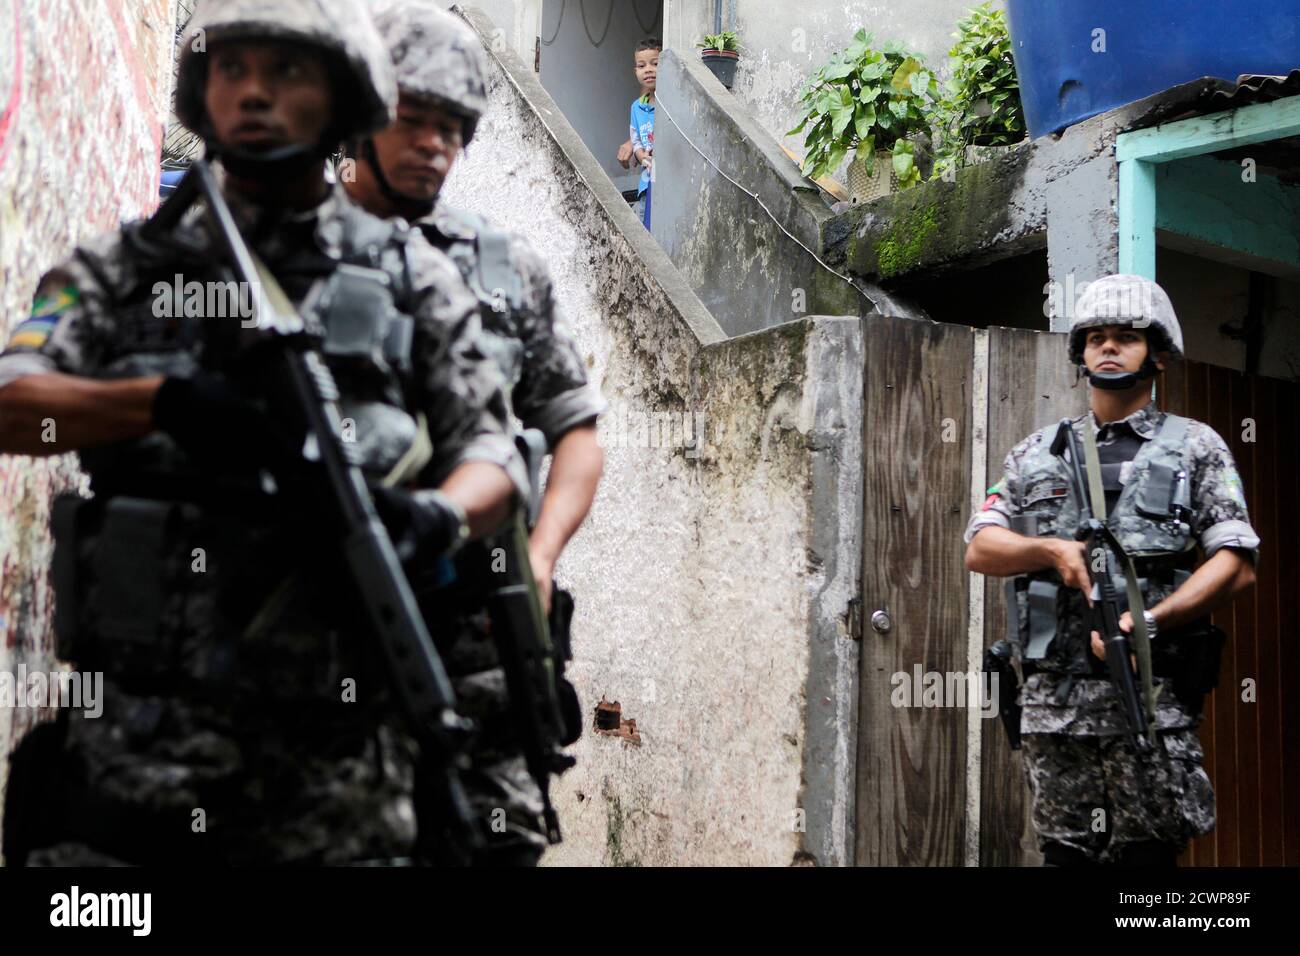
<point>642,133</point>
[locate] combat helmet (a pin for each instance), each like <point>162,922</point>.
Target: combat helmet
<point>437,57</point>
<point>365,90</point>
<point>1130,300</point>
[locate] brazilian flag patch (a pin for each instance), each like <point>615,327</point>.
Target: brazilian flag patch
<point>46,310</point>
<point>994,494</point>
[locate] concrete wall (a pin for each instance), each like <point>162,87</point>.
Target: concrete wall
<point>713,582</point>
<point>595,85</point>
<point>732,211</point>
<point>84,90</point>
<point>516,24</point>
<point>782,44</point>
<point>1061,192</point>
<point>1209,295</point>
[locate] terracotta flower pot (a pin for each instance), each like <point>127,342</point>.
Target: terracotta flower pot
<point>722,63</point>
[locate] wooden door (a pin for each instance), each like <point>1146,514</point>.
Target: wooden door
<point>911,766</point>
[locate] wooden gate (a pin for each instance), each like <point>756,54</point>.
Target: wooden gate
<point>1252,745</point>
<point>943,406</point>
<point>911,763</point>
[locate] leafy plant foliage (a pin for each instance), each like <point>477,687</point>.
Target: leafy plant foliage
<point>866,99</point>
<point>723,42</point>
<point>981,103</point>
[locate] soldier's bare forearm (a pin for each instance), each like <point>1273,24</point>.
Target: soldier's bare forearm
<point>1002,553</point>
<point>52,413</point>
<point>1215,583</point>
<point>570,489</point>
<point>484,491</point>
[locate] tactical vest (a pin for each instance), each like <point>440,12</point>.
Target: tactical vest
<point>482,254</point>
<point>1048,627</point>
<point>161,577</point>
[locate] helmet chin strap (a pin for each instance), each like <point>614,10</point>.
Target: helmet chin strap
<point>1117,381</point>
<point>418,206</point>
<point>280,165</point>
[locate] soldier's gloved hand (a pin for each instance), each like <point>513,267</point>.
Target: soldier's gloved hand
<point>214,423</point>
<point>423,524</point>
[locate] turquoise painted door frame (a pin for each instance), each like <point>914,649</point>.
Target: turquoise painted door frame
<point>1139,152</point>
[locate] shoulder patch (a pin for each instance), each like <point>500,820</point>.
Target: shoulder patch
<point>1232,485</point>
<point>46,310</point>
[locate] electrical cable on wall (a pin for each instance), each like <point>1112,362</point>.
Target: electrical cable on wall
<point>582,7</point>
<point>609,19</point>
<point>659,105</point>
<point>558,23</point>
<point>636,12</point>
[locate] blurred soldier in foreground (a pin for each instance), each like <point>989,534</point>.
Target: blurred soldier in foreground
<point>400,171</point>
<point>247,719</point>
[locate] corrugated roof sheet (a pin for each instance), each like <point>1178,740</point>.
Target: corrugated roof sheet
<point>1252,88</point>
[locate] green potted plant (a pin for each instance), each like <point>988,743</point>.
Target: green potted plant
<point>870,101</point>
<point>721,53</point>
<point>980,111</point>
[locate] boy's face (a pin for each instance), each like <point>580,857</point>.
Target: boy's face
<point>417,151</point>
<point>647,68</point>
<point>261,95</point>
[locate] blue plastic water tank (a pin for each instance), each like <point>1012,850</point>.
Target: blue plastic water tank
<point>1150,45</point>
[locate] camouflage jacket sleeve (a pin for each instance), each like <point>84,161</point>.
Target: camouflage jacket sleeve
<point>459,389</point>
<point>1003,501</point>
<point>553,394</point>
<point>70,323</point>
<point>1220,519</point>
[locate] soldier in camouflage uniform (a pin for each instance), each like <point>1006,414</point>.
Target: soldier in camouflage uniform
<point>1170,485</point>
<point>442,96</point>
<point>245,718</point>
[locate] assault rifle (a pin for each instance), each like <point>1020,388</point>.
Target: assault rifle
<point>529,662</point>
<point>1106,605</point>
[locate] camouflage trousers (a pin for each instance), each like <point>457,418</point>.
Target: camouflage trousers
<point>503,796</point>
<point>158,780</point>
<point>1097,795</point>
<point>165,781</point>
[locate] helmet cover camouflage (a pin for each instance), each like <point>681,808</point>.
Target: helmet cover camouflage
<point>1126,300</point>
<point>341,28</point>
<point>437,57</point>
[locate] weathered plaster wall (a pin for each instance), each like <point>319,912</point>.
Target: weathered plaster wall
<point>84,91</point>
<point>742,262</point>
<point>783,43</point>
<point>712,581</point>
<point>516,23</point>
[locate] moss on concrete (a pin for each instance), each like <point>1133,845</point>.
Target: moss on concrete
<point>908,240</point>
<point>933,222</point>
